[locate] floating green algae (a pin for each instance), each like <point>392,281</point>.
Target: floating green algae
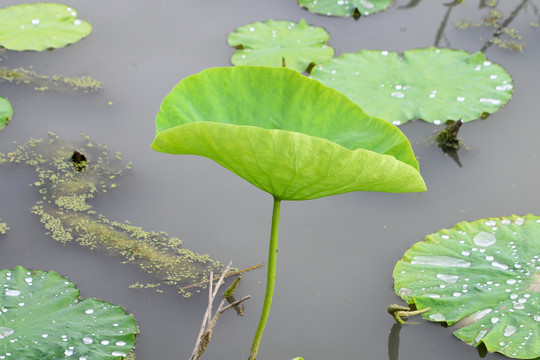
<point>44,82</point>
<point>67,216</point>
<point>502,36</point>
<point>3,227</point>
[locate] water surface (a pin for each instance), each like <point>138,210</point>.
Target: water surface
<point>336,255</point>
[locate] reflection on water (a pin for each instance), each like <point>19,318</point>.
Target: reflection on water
<point>501,34</point>
<point>70,174</point>
<point>393,342</point>
<point>440,35</point>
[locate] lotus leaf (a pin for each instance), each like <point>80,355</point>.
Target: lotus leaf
<point>268,43</point>
<point>432,84</point>
<point>483,277</point>
<point>40,26</point>
<point>6,112</point>
<point>285,133</point>
<point>345,7</point>
<point>42,317</point>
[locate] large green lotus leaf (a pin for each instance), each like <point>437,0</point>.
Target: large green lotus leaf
<point>42,317</point>
<point>6,112</point>
<point>40,26</point>
<point>285,133</point>
<point>432,84</point>
<point>484,277</point>
<point>268,43</point>
<point>345,7</point>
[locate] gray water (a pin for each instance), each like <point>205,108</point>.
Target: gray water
<point>336,255</point>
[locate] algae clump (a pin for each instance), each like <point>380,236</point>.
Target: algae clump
<point>3,227</point>
<point>66,214</point>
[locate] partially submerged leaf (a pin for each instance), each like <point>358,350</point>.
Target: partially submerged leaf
<point>285,133</point>
<point>268,43</point>
<point>345,7</point>
<point>43,317</point>
<point>431,84</point>
<point>6,112</point>
<point>484,277</point>
<point>40,26</point>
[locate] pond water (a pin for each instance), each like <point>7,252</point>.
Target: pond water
<point>336,255</point>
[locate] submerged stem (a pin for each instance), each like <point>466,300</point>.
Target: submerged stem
<point>270,280</point>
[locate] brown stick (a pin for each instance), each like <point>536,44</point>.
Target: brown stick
<point>231,274</point>
<point>209,322</point>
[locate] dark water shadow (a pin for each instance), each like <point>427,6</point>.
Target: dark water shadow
<point>410,5</point>
<point>439,35</point>
<point>393,342</point>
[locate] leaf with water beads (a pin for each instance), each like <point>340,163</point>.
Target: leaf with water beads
<point>482,277</point>
<point>431,84</point>
<point>6,112</point>
<point>271,42</point>
<point>345,7</point>
<point>42,317</point>
<point>40,26</point>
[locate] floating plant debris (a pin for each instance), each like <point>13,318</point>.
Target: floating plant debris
<point>43,317</point>
<point>44,82</point>
<point>502,36</point>
<point>447,139</point>
<point>482,277</point>
<point>273,43</point>
<point>354,8</point>
<point>67,215</point>
<point>79,160</point>
<point>6,112</point>
<point>431,84</point>
<point>40,26</point>
<point>3,227</point>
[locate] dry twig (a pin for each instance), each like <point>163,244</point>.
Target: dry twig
<point>209,321</point>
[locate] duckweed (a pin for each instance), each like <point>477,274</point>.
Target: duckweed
<point>66,214</point>
<point>3,227</point>
<point>502,36</point>
<point>44,82</point>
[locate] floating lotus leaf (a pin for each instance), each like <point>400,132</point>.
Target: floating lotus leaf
<point>6,112</point>
<point>40,26</point>
<point>285,133</point>
<point>482,276</point>
<point>42,317</point>
<point>345,7</point>
<point>268,43</point>
<point>431,84</point>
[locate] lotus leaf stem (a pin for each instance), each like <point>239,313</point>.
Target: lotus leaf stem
<point>270,279</point>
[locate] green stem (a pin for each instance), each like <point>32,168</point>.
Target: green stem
<point>270,280</point>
